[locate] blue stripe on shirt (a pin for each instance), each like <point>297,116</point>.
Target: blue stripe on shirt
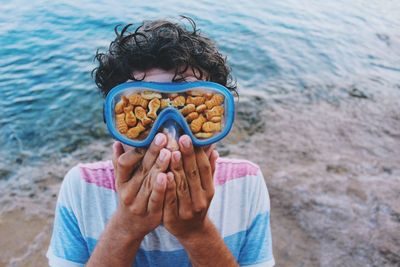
<point>67,241</point>
<point>258,245</point>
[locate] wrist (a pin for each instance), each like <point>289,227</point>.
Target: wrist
<point>125,229</point>
<point>203,232</point>
<point>206,247</point>
<point>115,241</point>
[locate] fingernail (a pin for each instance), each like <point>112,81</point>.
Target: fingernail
<point>159,139</point>
<point>161,180</point>
<point>176,155</point>
<point>163,154</point>
<point>186,141</point>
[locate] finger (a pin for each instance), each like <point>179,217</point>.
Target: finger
<point>156,200</point>
<point>170,195</point>
<point>209,149</point>
<point>126,163</point>
<point>117,152</point>
<point>161,165</point>
<point>191,171</point>
<point>213,160</point>
<point>170,212</point>
<point>176,162</point>
<point>140,191</point>
<point>182,190</point>
<point>159,142</point>
<point>204,166</point>
<point>162,162</point>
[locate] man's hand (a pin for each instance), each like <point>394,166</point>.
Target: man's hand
<point>189,193</point>
<point>141,182</point>
<point>189,196</point>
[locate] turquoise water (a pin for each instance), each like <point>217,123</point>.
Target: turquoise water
<point>50,105</point>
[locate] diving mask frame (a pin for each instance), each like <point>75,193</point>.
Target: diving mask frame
<point>169,114</point>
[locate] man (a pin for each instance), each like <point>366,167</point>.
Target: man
<point>153,206</point>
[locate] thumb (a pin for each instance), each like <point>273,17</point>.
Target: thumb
<point>117,152</point>
<point>126,163</point>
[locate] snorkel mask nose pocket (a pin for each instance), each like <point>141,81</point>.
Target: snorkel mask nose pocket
<point>136,111</point>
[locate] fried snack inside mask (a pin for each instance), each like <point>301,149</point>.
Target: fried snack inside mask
<point>154,105</point>
<point>136,113</point>
<point>135,131</point>
<point>196,124</point>
<point>119,107</point>
<point>215,100</point>
<point>137,100</point>
<point>121,125</point>
<point>140,114</point>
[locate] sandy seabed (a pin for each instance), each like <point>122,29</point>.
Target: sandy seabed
<point>332,170</point>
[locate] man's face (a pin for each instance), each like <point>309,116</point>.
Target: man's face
<point>159,75</point>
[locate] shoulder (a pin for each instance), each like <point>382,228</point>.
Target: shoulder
<point>244,182</point>
<point>82,177</point>
<point>229,169</point>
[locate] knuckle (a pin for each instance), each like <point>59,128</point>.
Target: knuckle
<point>147,185</point>
<point>182,186</point>
<point>187,215</point>
<point>193,174</point>
<point>126,198</point>
<point>143,169</point>
<point>171,201</point>
<point>135,210</point>
<point>122,162</point>
<point>168,220</point>
<point>155,200</point>
<point>199,206</point>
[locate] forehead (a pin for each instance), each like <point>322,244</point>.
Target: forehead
<point>160,75</point>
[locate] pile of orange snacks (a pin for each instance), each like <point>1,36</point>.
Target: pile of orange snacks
<point>135,113</point>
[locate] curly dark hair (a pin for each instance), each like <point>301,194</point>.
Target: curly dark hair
<point>160,44</point>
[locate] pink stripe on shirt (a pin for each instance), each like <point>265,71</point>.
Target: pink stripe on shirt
<point>102,173</point>
<point>99,173</point>
<point>231,169</point>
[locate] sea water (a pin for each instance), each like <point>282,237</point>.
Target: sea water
<point>50,106</point>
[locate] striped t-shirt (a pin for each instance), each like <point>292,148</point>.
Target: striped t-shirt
<point>240,210</point>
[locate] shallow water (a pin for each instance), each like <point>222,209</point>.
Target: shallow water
<point>50,105</point>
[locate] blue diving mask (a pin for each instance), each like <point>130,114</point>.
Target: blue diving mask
<point>135,111</point>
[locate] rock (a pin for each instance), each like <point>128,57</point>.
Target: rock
<point>354,92</point>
